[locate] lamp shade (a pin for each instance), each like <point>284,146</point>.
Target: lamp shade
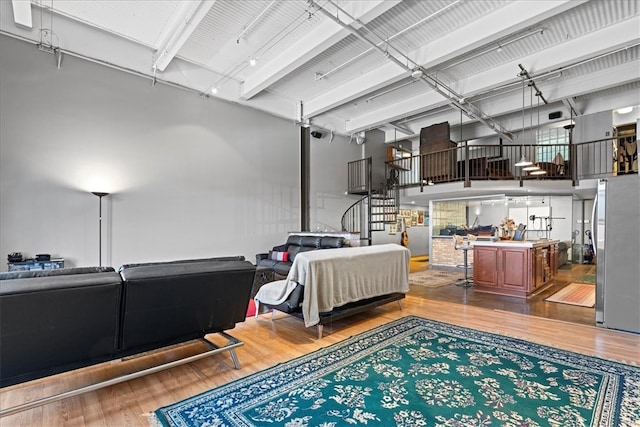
<point>524,162</point>
<point>531,168</point>
<point>538,172</point>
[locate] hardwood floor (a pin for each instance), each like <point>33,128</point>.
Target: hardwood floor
<point>268,343</point>
<point>534,305</point>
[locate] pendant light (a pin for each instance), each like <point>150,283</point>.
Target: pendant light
<point>523,160</point>
<point>538,172</point>
<point>535,168</point>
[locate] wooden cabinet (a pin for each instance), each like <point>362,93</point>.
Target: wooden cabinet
<point>553,258</point>
<point>438,157</point>
<point>514,265</point>
<point>485,266</point>
<point>514,270</point>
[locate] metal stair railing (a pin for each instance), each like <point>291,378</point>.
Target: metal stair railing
<point>375,209</point>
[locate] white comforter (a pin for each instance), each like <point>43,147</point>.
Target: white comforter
<point>335,277</point>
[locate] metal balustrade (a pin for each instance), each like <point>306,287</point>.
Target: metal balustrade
<point>588,160</point>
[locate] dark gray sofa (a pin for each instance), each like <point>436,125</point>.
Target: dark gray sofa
<point>294,245</point>
<point>58,320</point>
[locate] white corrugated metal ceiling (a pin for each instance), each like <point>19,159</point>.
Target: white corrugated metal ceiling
<point>349,63</point>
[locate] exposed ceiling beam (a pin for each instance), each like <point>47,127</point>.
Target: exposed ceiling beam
<point>488,29</point>
<point>325,35</point>
<point>178,31</point>
<point>571,106</point>
<point>550,60</point>
<point>401,128</point>
<point>22,13</point>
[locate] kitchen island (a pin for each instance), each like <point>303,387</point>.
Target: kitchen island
<point>514,268</point>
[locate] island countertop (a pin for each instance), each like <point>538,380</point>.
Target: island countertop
<point>514,243</point>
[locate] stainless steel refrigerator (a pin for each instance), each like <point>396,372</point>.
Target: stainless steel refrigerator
<point>617,246</point>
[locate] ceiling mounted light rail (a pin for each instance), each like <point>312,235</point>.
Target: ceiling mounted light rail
<point>411,66</point>
<point>252,23</point>
<point>320,76</point>
<point>500,45</point>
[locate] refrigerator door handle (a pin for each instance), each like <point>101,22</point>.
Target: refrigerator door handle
<point>594,218</point>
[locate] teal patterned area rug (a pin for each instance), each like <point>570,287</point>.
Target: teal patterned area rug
<point>417,372</point>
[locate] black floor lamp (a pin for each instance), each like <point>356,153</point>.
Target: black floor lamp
<point>100,196</point>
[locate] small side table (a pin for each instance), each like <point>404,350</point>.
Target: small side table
<point>263,275</point>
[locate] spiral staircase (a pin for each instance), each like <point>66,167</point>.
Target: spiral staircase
<point>378,205</point>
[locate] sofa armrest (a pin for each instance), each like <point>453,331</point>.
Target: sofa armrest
<point>261,257</point>
<point>280,248</point>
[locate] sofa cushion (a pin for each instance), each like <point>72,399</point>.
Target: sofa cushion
<point>282,268</point>
<point>295,250</point>
<point>332,242</point>
<point>294,240</point>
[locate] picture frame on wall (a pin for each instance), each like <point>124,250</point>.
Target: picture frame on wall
<point>420,218</point>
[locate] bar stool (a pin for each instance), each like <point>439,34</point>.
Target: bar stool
<point>459,245</point>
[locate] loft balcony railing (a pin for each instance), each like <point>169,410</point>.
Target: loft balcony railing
<point>573,162</point>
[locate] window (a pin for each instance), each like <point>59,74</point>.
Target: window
<point>551,142</point>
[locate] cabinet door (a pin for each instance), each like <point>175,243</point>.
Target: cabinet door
<point>514,265</point>
<point>538,267</point>
<point>485,266</point>
<point>554,260</point>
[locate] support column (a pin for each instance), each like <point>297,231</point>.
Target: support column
<point>305,167</point>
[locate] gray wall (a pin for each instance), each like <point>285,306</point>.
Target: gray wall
<point>189,176</point>
<point>375,148</point>
<point>596,158</point>
<point>328,176</point>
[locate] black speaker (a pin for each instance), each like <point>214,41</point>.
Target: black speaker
<point>316,134</point>
<point>555,115</point>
